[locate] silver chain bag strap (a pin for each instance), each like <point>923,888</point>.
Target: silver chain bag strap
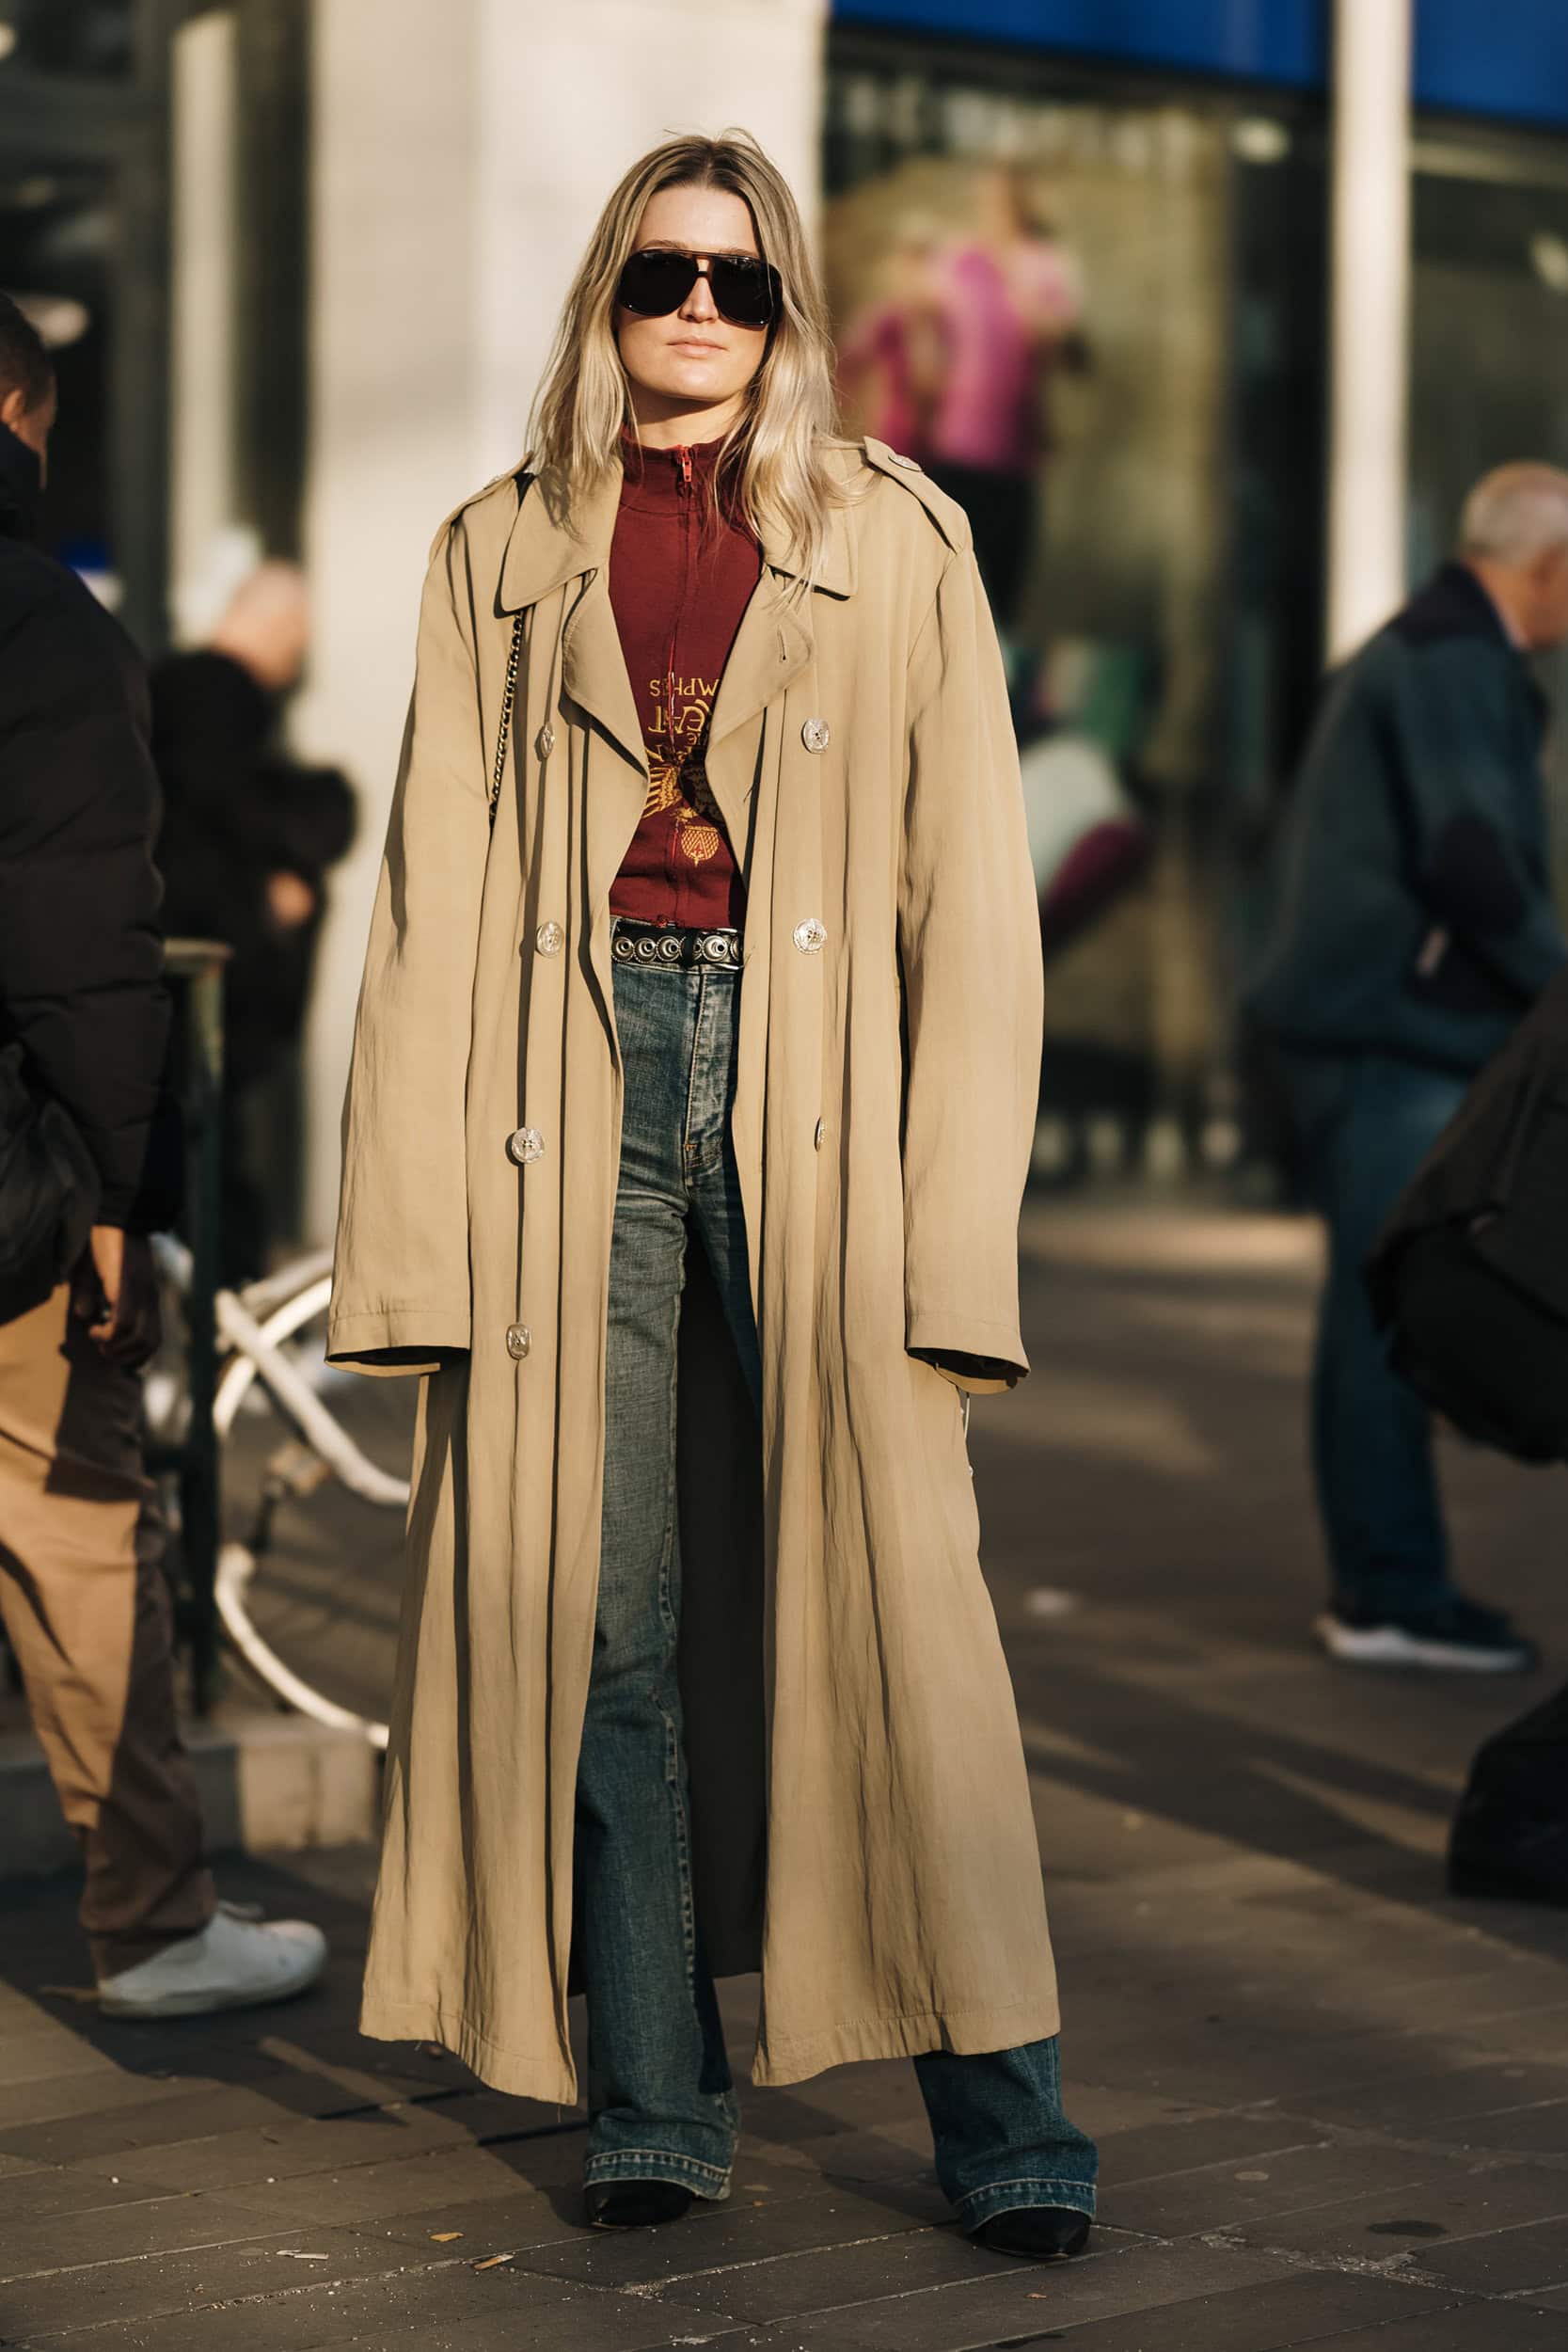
<point>509,697</point>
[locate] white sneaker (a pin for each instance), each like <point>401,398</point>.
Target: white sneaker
<point>1454,1636</point>
<point>235,1963</point>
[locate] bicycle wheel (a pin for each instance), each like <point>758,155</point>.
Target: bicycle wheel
<point>309,1576</point>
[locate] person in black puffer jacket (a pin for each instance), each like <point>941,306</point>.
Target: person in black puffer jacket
<point>81,1591</point>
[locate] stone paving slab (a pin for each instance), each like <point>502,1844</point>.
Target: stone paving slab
<point>1468,2328</point>
<point>1418,2206</point>
<point>1122,2279</point>
<point>1332,2104</point>
<point>1327,2311</point>
<point>891,2261</point>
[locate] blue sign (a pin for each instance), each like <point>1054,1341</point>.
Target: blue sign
<point>1472,57</point>
<point>1266,41</point>
<point>1479,60</point>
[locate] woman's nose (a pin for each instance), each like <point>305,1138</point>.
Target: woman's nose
<point>699,303</point>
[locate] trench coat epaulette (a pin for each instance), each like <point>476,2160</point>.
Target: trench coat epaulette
<point>947,515</point>
<point>515,479</point>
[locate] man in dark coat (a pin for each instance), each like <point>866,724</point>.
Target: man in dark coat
<point>81,1591</point>
<point>1416,926</point>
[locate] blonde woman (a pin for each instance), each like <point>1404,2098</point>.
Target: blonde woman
<point>692,1096</point>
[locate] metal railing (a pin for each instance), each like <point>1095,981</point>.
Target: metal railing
<point>196,969</point>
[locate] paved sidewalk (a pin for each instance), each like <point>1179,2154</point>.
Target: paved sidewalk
<point>1333,2104</point>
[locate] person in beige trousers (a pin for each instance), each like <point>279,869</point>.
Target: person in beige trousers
<point>83,1020</point>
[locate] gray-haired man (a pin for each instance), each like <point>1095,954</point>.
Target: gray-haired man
<point>1416,926</point>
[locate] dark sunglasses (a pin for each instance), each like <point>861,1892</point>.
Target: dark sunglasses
<point>746,290</point>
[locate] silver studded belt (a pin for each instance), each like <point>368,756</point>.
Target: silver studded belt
<point>667,945</point>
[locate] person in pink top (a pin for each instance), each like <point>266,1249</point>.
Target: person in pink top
<point>889,356</point>
<point>1009,304</point>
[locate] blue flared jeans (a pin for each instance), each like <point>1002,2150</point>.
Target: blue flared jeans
<point>662,2105</point>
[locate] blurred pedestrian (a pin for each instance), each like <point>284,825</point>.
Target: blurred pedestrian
<point>1010,305</point>
<point>890,354</point>
<point>1416,927</point>
<point>247,839</point>
<point>84,1023</point>
<point>650,1722</point>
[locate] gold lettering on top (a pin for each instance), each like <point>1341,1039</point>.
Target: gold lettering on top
<point>677,766</point>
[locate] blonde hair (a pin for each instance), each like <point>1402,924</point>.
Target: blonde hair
<point>772,465</point>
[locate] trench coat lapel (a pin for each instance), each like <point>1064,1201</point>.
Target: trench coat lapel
<point>774,645</point>
<point>546,549</point>
<point>594,675</point>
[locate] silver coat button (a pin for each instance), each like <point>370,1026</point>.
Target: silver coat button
<point>816,1139</point>
<point>899,459</point>
<point>549,939</point>
<point>544,742</point>
<point>519,1339</point>
<point>811,936</point>
<point>525,1145</point>
<point>815,735</point>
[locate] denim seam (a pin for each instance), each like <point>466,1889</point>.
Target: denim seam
<point>1069,2196</point>
<point>607,2168</point>
<point>699,1005</point>
<point>1026,2180</point>
<point>670,1615</point>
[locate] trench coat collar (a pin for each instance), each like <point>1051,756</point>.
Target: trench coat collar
<point>548,547</point>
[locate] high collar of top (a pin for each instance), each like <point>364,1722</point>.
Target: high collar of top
<point>667,481</point>
<point>21,482</point>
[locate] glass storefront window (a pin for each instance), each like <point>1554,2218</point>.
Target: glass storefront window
<point>88,38</point>
<point>1094,316</point>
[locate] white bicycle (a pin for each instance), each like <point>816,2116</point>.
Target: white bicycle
<point>296,1480</point>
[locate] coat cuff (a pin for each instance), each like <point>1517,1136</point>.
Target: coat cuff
<point>940,1333</point>
<point>392,1339</point>
<point>978,1375</point>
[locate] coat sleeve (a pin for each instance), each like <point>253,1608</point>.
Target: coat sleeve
<point>970,949</point>
<point>1469,792</point>
<point>81,949</point>
<point>400,1288</point>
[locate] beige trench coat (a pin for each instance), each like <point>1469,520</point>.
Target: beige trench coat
<point>860,1814</point>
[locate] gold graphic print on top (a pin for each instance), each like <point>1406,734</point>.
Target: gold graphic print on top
<point>677,766</point>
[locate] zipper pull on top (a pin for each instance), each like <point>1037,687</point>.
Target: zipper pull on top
<point>685,456</point>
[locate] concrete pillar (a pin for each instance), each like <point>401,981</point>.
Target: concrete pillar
<point>206,549</point>
<point>462,155</point>
<point>1370,306</point>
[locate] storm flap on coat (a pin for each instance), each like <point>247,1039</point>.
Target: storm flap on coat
<point>861,1815</point>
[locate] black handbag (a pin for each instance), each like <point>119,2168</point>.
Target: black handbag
<point>1470,1278</point>
<point>49,1182</point>
<point>1511,1835</point>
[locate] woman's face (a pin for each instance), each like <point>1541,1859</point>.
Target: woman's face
<point>693,359</point>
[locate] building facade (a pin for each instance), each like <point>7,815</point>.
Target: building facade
<point>301,260</point>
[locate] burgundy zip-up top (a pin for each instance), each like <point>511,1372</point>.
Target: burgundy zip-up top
<point>680,578</point>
